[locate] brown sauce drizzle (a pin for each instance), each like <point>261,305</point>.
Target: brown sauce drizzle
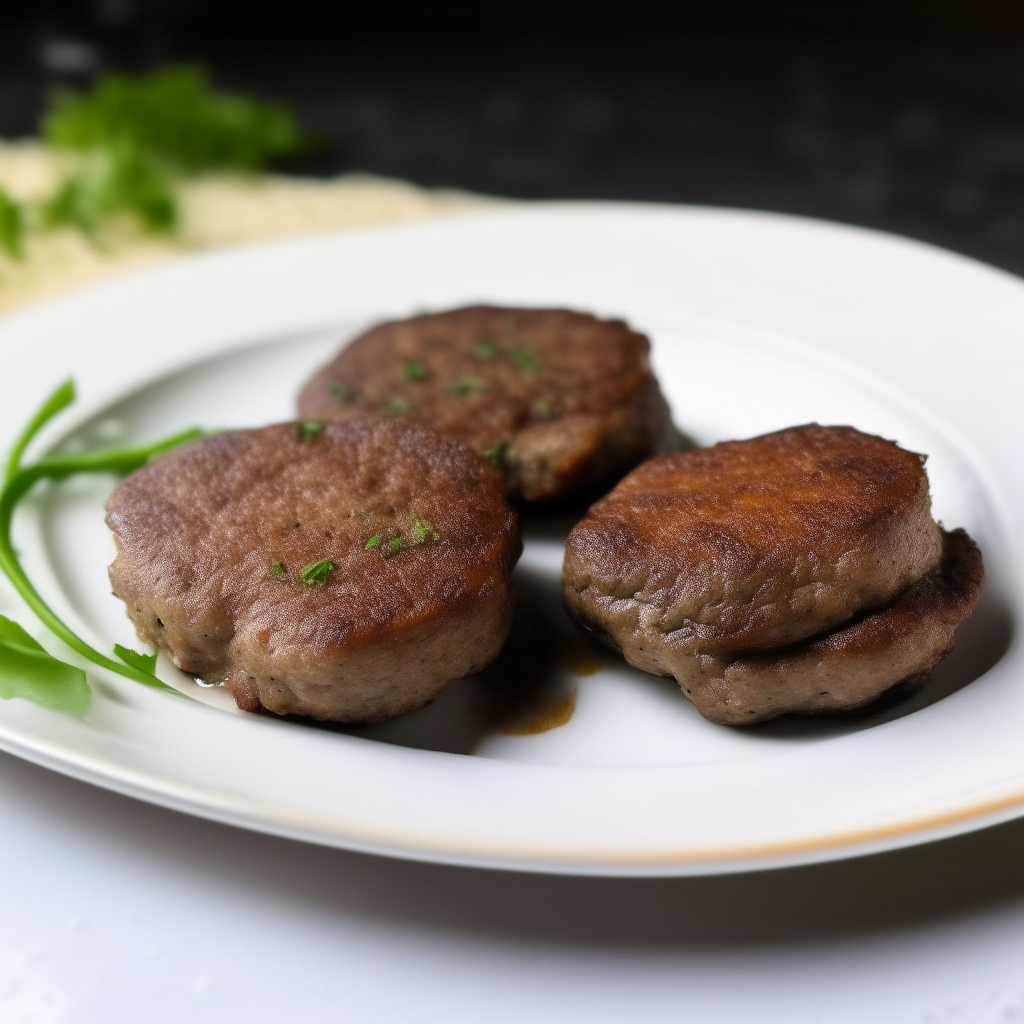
<point>525,692</point>
<point>550,715</point>
<point>587,661</point>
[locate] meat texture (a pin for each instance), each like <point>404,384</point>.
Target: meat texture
<point>796,572</point>
<point>556,399</point>
<point>344,572</point>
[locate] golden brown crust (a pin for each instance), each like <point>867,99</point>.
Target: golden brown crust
<point>752,545</point>
<point>562,397</point>
<point>199,533</point>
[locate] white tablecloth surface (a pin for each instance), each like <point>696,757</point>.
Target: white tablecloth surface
<point>113,911</point>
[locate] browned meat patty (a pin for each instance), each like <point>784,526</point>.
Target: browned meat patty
<point>344,572</point>
<point>843,669</point>
<point>727,567</point>
<point>557,399</point>
<point>751,545</point>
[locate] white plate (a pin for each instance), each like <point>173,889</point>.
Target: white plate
<point>758,322</point>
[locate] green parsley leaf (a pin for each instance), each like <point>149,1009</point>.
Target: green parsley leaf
<point>374,541</point>
<point>525,358</point>
<point>12,226</point>
<point>496,454</point>
<point>414,370</point>
<point>176,115</point>
<point>396,405</point>
<point>30,672</point>
<point>20,479</point>
<point>485,349</point>
<point>364,515</point>
<point>393,546</point>
<point>143,662</point>
<point>338,391</point>
<point>121,180</point>
<point>277,569</point>
<point>315,575</point>
<point>309,429</point>
<point>468,384</point>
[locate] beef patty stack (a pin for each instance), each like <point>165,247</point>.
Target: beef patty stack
<point>798,572</point>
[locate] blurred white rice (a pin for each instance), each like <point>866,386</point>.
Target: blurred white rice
<point>216,210</point>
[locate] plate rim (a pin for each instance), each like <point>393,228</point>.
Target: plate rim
<point>849,844</point>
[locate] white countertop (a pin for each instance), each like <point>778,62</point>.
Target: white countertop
<point>117,911</point>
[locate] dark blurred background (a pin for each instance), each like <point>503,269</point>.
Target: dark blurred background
<point>903,116</point>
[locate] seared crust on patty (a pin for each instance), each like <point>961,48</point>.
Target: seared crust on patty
<point>415,545</point>
<point>558,399</point>
<point>752,545</point>
<point>843,669</point>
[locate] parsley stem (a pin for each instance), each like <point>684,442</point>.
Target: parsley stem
<point>20,480</point>
<point>60,399</point>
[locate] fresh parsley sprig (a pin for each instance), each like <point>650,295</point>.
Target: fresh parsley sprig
<point>175,115</point>
<point>121,179</point>
<point>18,481</point>
<point>137,135</point>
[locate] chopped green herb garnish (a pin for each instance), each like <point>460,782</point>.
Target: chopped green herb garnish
<point>143,662</point>
<point>315,575</point>
<point>374,541</point>
<point>338,392</point>
<point>276,569</point>
<point>364,515</point>
<point>496,454</point>
<point>309,428</point>
<point>176,115</point>
<point>525,358</point>
<point>12,226</point>
<point>468,384</point>
<point>485,349</point>
<point>394,406</point>
<point>414,370</point>
<point>422,530</point>
<point>394,546</point>
<point>541,408</point>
